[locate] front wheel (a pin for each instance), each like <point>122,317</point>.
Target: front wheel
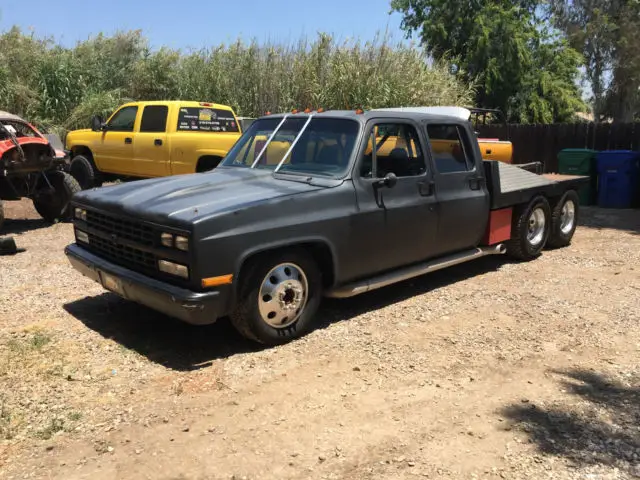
<point>84,170</point>
<point>530,229</point>
<point>278,298</point>
<point>56,191</point>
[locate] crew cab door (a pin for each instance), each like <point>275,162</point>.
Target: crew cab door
<point>150,150</point>
<point>395,225</point>
<point>460,188</point>
<point>113,151</point>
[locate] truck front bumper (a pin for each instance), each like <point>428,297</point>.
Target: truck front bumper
<point>197,308</point>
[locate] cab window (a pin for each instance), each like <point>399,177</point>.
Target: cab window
<point>448,149</point>
<point>123,119</point>
<point>154,118</point>
<point>398,151</point>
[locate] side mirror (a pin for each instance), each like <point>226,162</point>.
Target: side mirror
<point>97,123</point>
<point>388,181</point>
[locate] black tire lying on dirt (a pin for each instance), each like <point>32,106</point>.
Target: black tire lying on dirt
<point>85,172</point>
<point>54,206</point>
<point>564,220</point>
<point>278,298</point>
<point>530,229</point>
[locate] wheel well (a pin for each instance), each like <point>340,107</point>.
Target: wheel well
<point>319,251</point>
<point>208,162</point>
<point>80,150</point>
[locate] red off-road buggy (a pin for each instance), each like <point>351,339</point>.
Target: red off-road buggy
<point>33,165</point>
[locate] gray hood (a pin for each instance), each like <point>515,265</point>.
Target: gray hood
<point>183,199</point>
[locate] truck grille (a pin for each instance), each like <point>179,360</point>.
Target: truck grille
<point>129,257</point>
<point>127,229</point>
<point>131,244</point>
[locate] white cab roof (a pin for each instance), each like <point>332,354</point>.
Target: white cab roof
<point>457,112</point>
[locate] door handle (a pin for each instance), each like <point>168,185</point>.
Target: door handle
<point>157,142</point>
<point>426,189</point>
<point>475,183</point>
<point>128,140</point>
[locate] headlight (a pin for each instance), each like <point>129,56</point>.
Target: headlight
<point>173,268</point>
<point>167,240</point>
<point>81,214</point>
<point>170,240</point>
<point>182,243</point>
<point>82,236</point>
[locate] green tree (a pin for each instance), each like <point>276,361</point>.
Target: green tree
<point>505,48</point>
<point>605,31</point>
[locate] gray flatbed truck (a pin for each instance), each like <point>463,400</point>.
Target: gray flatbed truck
<point>315,204</point>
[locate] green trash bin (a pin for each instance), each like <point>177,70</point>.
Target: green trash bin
<point>581,161</point>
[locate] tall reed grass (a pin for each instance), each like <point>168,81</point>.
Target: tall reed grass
<point>61,88</point>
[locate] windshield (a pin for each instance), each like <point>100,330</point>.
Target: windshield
<point>19,129</point>
<point>324,148</point>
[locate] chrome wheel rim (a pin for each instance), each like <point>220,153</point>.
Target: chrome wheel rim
<point>567,216</point>
<point>537,222</point>
<point>283,295</point>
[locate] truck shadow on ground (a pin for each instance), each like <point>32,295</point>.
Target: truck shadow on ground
<point>604,218</point>
<point>183,347</point>
<point>14,226</point>
<point>601,428</point>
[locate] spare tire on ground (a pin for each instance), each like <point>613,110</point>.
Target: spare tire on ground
<point>8,246</point>
<point>57,190</point>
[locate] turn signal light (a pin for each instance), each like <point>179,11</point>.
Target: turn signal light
<point>217,281</point>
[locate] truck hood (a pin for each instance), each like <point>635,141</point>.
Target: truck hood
<point>184,199</point>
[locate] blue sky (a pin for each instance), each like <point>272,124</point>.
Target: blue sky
<point>185,24</point>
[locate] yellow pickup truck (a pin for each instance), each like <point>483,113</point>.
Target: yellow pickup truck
<point>152,139</point>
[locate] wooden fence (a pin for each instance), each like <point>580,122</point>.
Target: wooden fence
<point>541,143</point>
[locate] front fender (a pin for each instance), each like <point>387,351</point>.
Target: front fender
<point>287,243</point>
<point>79,138</point>
<point>210,152</point>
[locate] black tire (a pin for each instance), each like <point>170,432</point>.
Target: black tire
<point>247,318</point>
<point>520,246</point>
<point>85,172</point>
<point>557,237</point>
<point>55,206</point>
<point>206,164</point>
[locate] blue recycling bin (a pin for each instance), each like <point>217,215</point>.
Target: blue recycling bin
<point>618,175</point>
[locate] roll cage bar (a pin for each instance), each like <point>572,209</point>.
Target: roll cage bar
<point>476,112</point>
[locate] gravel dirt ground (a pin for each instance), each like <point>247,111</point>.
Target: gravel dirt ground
<point>486,370</point>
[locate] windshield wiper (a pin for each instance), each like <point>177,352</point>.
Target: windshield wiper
<point>295,141</point>
<point>264,149</point>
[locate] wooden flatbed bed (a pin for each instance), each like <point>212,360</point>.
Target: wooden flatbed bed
<point>511,185</point>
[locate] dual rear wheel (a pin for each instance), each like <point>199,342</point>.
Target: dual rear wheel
<point>539,224</point>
